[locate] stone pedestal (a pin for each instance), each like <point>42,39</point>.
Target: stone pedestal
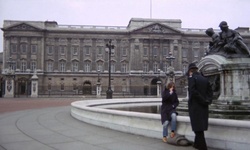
<point>34,86</point>
<point>9,87</point>
<point>159,89</point>
<point>230,76</point>
<point>98,89</point>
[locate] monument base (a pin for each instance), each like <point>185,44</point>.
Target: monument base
<point>230,77</point>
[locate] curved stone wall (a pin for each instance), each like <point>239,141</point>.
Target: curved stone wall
<point>222,133</point>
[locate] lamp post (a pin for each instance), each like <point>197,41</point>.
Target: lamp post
<point>159,84</point>
<point>98,79</point>
<point>109,91</point>
<point>170,58</point>
<point>98,85</point>
<point>159,74</point>
<point>170,70</point>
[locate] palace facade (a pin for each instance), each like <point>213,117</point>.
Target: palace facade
<point>73,59</point>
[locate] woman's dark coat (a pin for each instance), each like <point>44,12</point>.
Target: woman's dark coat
<point>198,109</point>
<point>169,104</point>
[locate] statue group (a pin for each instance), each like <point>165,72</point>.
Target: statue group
<point>227,43</point>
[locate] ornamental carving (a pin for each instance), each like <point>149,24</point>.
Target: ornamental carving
<point>13,40</point>
<point>156,28</point>
<point>100,42</point>
<point>63,41</point>
<point>75,41</point>
<point>50,41</point>
<point>24,27</point>
<point>9,85</point>
<point>34,87</point>
<point>87,42</point>
<point>24,40</point>
<point>34,40</point>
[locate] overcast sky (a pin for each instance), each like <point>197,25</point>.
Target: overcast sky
<point>193,13</point>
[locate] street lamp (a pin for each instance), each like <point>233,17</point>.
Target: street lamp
<point>98,80</point>
<point>170,70</point>
<point>170,58</point>
<point>159,73</point>
<point>109,91</point>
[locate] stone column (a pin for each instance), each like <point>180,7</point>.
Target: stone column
<point>9,87</point>
<point>34,86</point>
<point>98,89</point>
<point>158,88</point>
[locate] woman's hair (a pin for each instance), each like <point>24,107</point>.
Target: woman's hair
<point>170,84</point>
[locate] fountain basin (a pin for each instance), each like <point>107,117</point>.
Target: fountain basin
<point>222,133</point>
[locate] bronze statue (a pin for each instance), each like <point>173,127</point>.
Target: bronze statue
<point>214,44</point>
<point>228,42</point>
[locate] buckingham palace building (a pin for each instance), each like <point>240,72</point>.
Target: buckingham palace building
<point>46,58</point>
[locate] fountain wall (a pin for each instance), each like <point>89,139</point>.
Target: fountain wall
<point>222,133</point>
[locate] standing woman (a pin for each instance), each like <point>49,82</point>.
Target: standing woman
<point>168,110</point>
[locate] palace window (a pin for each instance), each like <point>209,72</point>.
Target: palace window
<point>49,66</point>
<point>23,48</point>
<point>99,67</point>
<point>184,68</point>
<point>124,68</point>
<point>165,51</point>
<point>13,48</point>
<point>175,48</point>
<point>124,51</point>
<point>49,87</point>
<point>87,50</point>
<point>145,67</point>
<point>155,51</point>
<point>87,67</point>
<point>23,66</point>
<point>136,47</point>
<point>50,49</point>
<point>74,87</point>
<point>184,53</point>
<point>145,51</point>
<point>62,66</point>
<point>99,50</point>
<point>33,49</point>
<point>33,65</point>
<point>112,69</point>
<point>74,66</point>
<point>75,50</point>
<point>155,67</point>
<point>165,66</point>
<point>196,53</point>
<point>62,87</point>
<point>62,50</point>
<point>13,66</point>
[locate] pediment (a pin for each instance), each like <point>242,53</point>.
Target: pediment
<point>23,27</point>
<point>156,28</point>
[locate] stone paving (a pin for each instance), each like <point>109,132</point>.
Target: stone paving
<point>46,124</point>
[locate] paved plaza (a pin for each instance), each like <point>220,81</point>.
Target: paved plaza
<point>46,124</point>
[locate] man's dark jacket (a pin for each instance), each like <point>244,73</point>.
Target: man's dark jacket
<point>199,93</point>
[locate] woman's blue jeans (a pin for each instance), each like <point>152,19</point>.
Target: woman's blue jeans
<point>173,124</point>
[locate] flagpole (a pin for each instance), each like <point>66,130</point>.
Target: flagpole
<point>150,9</point>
